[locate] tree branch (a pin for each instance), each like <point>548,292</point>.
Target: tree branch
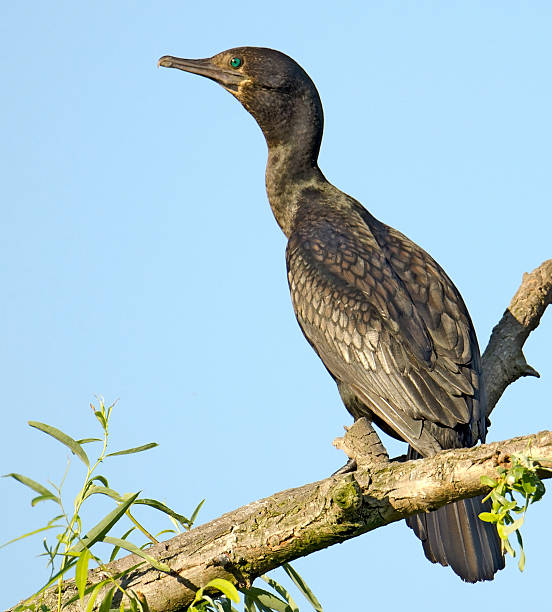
<point>503,359</point>
<point>256,538</point>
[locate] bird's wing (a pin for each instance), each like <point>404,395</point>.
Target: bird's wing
<point>408,364</point>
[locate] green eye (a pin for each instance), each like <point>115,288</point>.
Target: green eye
<point>236,62</point>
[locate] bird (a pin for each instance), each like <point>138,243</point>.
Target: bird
<point>385,319</point>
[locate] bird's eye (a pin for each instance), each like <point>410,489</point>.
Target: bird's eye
<point>236,62</point>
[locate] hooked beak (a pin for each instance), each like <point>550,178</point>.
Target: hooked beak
<point>229,79</point>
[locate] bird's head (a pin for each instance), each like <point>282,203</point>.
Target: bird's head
<point>269,84</point>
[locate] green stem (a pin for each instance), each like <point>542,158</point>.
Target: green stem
<point>142,529</point>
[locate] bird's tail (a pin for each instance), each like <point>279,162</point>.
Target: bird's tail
<point>455,535</point>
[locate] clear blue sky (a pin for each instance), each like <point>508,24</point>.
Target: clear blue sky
<point>141,260</point>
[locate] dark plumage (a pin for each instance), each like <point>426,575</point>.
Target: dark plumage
<point>382,315</point>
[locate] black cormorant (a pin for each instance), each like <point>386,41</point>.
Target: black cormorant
<point>388,323</point>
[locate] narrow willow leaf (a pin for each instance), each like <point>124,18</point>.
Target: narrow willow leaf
<point>32,484</point>
<point>81,572</point>
<point>158,535</point>
<point>75,447</point>
<point>100,417</point>
<point>99,531</point>
<point>225,587</point>
<point>116,549</point>
<point>249,606</point>
<point>196,512</point>
<point>94,595</point>
<point>153,503</point>
<point>101,479</point>
<point>521,563</point>
<point>87,440</point>
<point>94,490</point>
<point>281,591</point>
<point>143,602</point>
<point>136,449</point>
<point>41,498</point>
<point>105,606</point>
<point>162,567</point>
<point>26,535</point>
<point>268,600</point>
<point>133,605</point>
<point>302,586</point>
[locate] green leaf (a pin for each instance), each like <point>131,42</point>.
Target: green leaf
<point>101,479</point>
<point>143,602</point>
<point>500,499</point>
<point>41,498</point>
<point>26,535</point>
<point>541,490</point>
<point>488,481</point>
<point>136,449</point>
<point>81,572</point>
<point>99,531</point>
<point>249,606</point>
<point>75,447</point>
<point>105,606</point>
<point>153,503</point>
<point>521,563</point>
<point>509,529</point>
<point>116,549</point>
<point>281,591</point>
<point>302,586</point>
<point>196,512</point>
<point>94,594</point>
<point>267,600</point>
<point>488,517</point>
<point>162,567</point>
<point>32,484</point>
<point>87,440</point>
<point>94,490</point>
<point>133,605</point>
<point>225,587</point>
<point>99,415</point>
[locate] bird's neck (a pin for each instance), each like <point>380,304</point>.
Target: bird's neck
<point>291,168</point>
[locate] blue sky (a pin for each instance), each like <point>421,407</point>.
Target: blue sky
<point>141,260</point>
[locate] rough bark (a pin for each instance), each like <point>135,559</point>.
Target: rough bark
<point>503,359</point>
<point>256,538</point>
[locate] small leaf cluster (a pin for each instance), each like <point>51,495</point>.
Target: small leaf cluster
<point>255,598</point>
<point>72,548</point>
<point>512,492</point>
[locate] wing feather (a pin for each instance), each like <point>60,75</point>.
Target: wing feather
<point>388,323</point>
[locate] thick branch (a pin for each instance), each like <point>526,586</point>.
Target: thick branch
<point>503,360</point>
<point>256,538</point>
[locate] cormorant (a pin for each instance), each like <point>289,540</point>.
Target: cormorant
<point>382,315</point>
